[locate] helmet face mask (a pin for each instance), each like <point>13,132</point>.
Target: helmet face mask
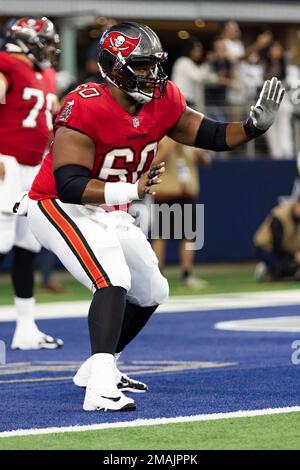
<point>36,38</point>
<point>49,52</point>
<point>149,85</point>
<point>130,57</point>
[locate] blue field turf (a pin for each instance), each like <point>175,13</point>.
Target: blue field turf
<point>263,378</point>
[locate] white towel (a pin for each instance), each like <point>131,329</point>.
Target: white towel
<point>11,185</point>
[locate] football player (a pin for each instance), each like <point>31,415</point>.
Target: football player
<point>27,88</point>
<point>106,138</point>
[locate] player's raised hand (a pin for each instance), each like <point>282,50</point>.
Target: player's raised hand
<point>264,112</point>
<point>150,178</point>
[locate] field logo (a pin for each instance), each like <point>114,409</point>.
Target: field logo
<point>296,354</point>
<point>2,353</point>
<point>64,370</point>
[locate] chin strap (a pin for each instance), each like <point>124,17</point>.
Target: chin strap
<point>140,98</point>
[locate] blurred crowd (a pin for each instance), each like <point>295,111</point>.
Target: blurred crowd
<point>222,81</point>
<point>226,80</point>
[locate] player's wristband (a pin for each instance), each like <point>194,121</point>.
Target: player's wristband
<point>250,130</point>
<point>120,193</point>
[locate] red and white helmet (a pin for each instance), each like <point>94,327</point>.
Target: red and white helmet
<point>124,45</point>
<point>37,38</point>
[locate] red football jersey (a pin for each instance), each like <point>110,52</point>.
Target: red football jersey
<point>26,115</point>
<point>125,144</point>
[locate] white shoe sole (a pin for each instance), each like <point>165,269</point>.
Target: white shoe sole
<point>35,345</point>
<point>120,403</point>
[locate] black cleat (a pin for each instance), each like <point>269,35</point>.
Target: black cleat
<point>127,384</point>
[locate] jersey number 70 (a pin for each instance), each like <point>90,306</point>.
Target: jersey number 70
<point>41,97</point>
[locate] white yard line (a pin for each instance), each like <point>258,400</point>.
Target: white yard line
<point>194,303</point>
<point>289,324</point>
<point>153,422</point>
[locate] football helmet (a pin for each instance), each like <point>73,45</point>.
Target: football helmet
<point>37,38</point>
<point>130,57</point>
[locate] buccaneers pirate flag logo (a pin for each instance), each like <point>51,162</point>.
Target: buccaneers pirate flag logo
<point>119,44</point>
<point>31,23</point>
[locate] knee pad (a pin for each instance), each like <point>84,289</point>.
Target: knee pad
<point>157,292</point>
<point>160,291</point>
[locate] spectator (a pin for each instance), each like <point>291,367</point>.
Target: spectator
<point>262,42</point>
<point>190,75</point>
<point>231,36</point>
<point>235,47</point>
<point>279,138</point>
<point>181,186</point>
<point>225,68</point>
<point>91,64</point>
<point>277,244</point>
<point>250,72</point>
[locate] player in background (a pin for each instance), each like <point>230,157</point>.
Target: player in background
<point>105,140</point>
<point>28,100</point>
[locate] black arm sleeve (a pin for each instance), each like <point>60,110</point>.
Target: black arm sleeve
<point>71,181</point>
<point>277,233</point>
<point>211,135</point>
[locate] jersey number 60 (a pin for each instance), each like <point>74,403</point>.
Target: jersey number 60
<point>122,164</point>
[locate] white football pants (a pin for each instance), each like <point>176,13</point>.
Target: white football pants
<point>100,248</point>
<point>14,229</point>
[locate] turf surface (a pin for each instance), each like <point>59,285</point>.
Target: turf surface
<point>261,433</point>
<point>221,279</point>
<point>264,432</point>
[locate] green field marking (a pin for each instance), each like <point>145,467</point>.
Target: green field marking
<point>228,282</point>
<point>221,279</point>
<point>280,431</point>
<point>73,291</point>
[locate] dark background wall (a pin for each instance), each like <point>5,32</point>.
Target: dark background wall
<point>238,195</point>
